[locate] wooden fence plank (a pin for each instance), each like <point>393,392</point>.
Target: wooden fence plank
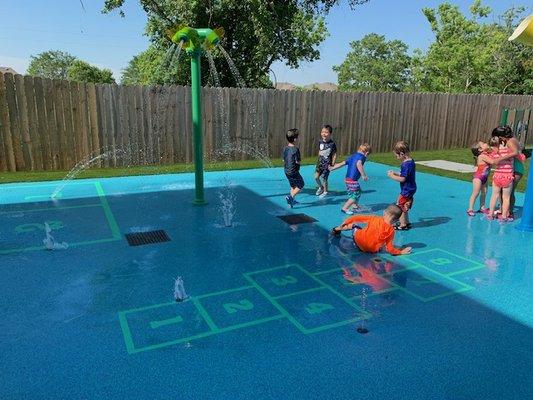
<point>76,122</point>
<point>68,139</point>
<point>7,123</point>
<point>92,112</point>
<point>42,124</point>
<point>22,106</point>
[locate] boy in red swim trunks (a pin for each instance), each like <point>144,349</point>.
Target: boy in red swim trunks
<point>406,177</point>
<point>378,232</point>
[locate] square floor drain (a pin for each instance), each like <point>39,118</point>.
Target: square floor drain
<point>293,219</point>
<point>140,238</point>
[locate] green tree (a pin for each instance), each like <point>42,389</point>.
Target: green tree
<point>84,72</point>
<point>257,32</point>
<point>375,64</point>
<point>52,64</point>
<point>512,63</point>
<point>469,56</point>
<point>153,66</point>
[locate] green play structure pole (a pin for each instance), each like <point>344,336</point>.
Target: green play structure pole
<point>196,97</point>
<point>195,42</point>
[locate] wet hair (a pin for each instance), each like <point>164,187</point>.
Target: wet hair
<point>476,151</point>
<point>495,141</point>
<point>502,131</point>
<point>394,211</point>
<point>401,147</point>
<point>328,127</point>
<point>365,148</point>
<point>292,134</point>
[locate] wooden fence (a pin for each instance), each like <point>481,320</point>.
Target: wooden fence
<point>52,124</point>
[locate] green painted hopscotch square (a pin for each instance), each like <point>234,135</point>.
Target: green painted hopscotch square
<point>284,280</point>
<point>427,285</point>
<point>162,325</point>
<point>443,261</point>
<point>320,310</point>
<point>335,301</point>
<point>109,218</point>
<point>237,308</point>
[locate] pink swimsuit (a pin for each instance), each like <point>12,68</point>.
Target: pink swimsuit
<point>504,172</point>
<point>482,173</point>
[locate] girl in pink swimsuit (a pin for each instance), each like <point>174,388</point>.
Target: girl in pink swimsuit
<point>502,180</point>
<point>484,159</point>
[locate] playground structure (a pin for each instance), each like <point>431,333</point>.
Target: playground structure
<point>195,42</point>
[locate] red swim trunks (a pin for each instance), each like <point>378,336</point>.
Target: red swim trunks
<point>405,203</point>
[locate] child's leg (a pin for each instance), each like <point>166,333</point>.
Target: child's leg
<point>494,198</point>
<point>483,196</point>
<point>317,179</point>
<point>517,178</point>
<point>354,195</point>
<point>506,200</point>
<point>404,218</point>
<point>325,184</point>
<point>295,191</point>
<point>346,206</point>
<point>476,187</point>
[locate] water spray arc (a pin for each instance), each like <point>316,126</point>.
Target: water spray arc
<point>196,42</point>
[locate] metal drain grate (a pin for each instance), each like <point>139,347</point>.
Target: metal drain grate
<point>293,219</point>
<point>140,238</point>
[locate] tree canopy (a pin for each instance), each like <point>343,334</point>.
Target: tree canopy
<point>257,33</point>
<point>53,64</point>
<point>470,54</point>
<point>375,64</point>
<point>84,72</point>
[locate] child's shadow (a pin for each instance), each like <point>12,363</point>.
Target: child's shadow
<point>415,245</point>
<point>432,221</point>
<point>377,206</point>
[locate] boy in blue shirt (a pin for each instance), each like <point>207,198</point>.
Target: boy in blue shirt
<point>406,177</point>
<point>292,159</point>
<point>355,171</point>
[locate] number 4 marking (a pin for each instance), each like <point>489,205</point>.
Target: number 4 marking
<point>284,281</point>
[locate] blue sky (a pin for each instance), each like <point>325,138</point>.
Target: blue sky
<point>107,40</point>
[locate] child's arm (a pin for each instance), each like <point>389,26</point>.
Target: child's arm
<point>361,169</point>
<point>395,251</point>
<point>395,176</point>
<point>334,158</point>
<point>493,160</point>
<point>350,223</point>
<point>336,166</point>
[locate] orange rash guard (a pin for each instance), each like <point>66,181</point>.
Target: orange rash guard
<point>375,235</point>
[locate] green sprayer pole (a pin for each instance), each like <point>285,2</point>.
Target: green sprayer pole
<point>196,97</point>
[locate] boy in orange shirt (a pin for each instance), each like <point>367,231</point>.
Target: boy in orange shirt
<point>378,232</point>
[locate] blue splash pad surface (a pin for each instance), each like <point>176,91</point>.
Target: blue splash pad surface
<point>270,315</point>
